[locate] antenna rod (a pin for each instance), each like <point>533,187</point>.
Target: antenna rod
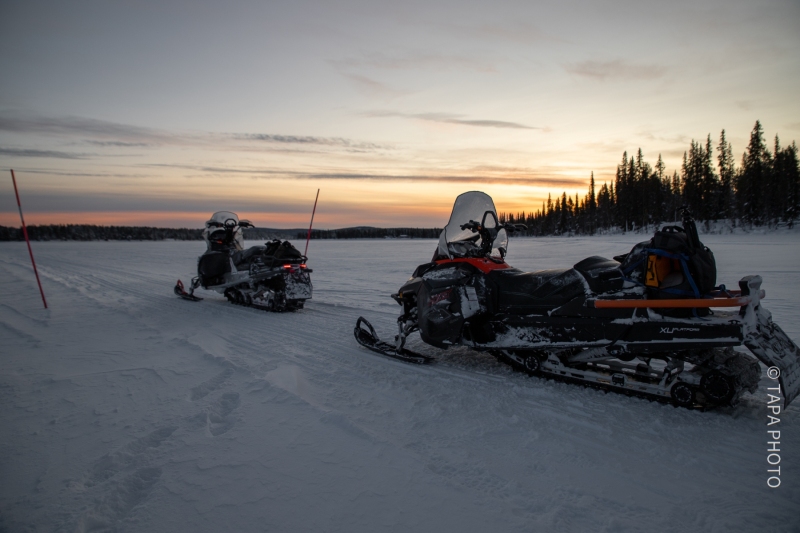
<point>308,237</point>
<point>25,232</point>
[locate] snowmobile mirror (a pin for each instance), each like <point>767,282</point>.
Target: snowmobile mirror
<point>489,220</point>
<point>244,223</point>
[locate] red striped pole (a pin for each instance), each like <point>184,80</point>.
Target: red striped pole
<point>308,237</point>
<point>25,232</point>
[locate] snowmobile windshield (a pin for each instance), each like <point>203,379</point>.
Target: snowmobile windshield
<point>219,218</point>
<point>469,207</point>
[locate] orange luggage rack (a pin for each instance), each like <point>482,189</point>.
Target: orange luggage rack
<point>736,301</point>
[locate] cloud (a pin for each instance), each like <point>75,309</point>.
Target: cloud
<point>667,139</point>
<point>415,60</point>
<point>372,87</point>
<point>303,140</point>
<point>82,126</point>
<point>448,118</point>
<point>118,144</point>
<point>531,181</point>
<point>40,153</point>
<point>616,70</point>
<point>110,134</point>
<point>522,177</point>
<point>82,174</point>
<point>38,201</point>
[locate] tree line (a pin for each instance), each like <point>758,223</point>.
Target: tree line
<point>87,232</point>
<point>764,190</point>
<point>365,232</point>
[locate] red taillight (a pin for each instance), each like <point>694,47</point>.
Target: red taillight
<point>287,267</point>
<point>303,265</point>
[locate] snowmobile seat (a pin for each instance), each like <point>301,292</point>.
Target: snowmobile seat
<point>520,292</point>
<point>244,258</point>
<point>603,275</point>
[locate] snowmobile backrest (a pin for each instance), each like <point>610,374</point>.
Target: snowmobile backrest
<point>602,274</point>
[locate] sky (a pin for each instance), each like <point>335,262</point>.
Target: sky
<point>160,113</point>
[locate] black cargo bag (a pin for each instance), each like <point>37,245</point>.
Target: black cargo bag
<point>673,264</point>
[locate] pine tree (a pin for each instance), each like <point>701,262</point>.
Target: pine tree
<point>592,207</point>
<point>727,173</point>
<point>709,185</point>
<point>787,179</point>
<point>563,222</point>
<point>753,177</point>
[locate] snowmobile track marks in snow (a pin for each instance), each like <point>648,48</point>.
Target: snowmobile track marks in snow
<point>129,455</point>
<point>210,385</point>
<point>120,501</point>
<point>218,417</point>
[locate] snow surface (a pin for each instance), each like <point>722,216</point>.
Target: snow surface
<point>125,408</point>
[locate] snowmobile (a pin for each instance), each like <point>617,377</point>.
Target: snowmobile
<point>651,322</point>
<point>273,277</point>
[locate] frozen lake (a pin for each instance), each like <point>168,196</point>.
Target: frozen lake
<point>128,409</point>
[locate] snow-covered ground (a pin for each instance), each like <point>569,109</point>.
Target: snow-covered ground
<point>124,408</point>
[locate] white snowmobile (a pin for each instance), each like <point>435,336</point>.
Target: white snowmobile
<point>273,277</point>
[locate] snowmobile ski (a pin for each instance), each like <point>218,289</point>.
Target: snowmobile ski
<point>369,339</point>
<point>181,291</point>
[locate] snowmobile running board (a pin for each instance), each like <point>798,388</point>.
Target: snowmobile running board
<point>369,339</point>
<point>741,301</point>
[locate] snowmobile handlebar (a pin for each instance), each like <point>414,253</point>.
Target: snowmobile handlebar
<point>230,223</point>
<point>472,225</point>
<point>477,227</point>
<point>488,235</point>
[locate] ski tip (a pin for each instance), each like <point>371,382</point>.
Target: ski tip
<point>365,336</point>
<point>179,290</point>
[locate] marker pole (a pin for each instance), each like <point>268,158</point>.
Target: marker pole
<point>308,238</point>
<point>25,232</point>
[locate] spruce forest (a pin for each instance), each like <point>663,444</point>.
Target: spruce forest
<point>764,190</point>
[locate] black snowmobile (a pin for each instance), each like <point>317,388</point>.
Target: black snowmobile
<point>273,277</point>
<point>650,322</point>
